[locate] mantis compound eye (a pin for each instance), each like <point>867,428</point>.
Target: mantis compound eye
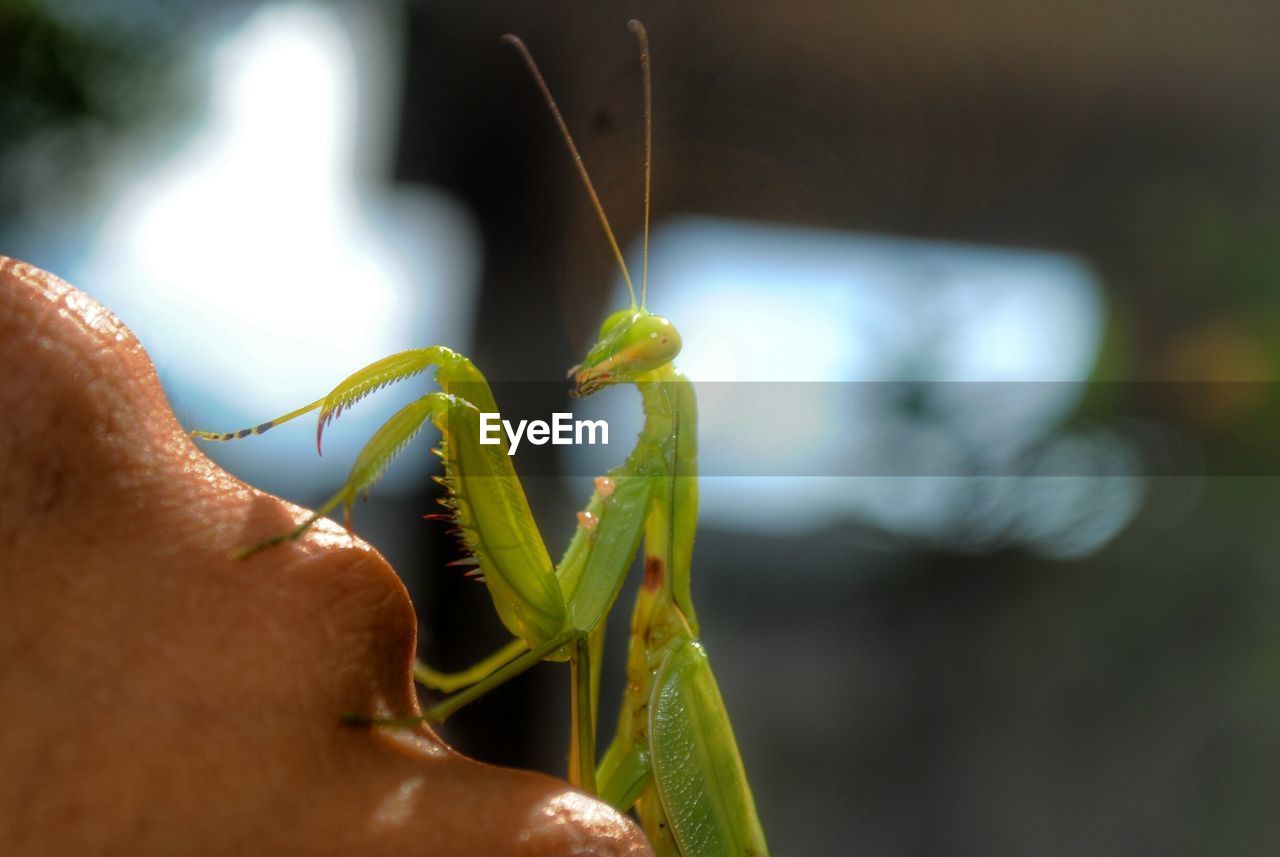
<point>652,341</point>
<point>635,342</point>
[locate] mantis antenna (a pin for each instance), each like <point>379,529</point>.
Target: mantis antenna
<point>519,45</point>
<point>643,37</point>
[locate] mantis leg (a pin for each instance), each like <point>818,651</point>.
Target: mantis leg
<point>450,682</point>
<point>439,712</point>
<point>601,552</point>
<point>582,732</point>
<point>623,775</point>
<point>596,640</point>
<point>258,429</point>
<point>369,465</point>
<point>589,575</point>
<point>453,369</point>
<point>361,383</point>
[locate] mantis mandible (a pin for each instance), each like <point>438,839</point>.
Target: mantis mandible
<point>673,757</point>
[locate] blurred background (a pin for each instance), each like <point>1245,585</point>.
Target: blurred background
<point>988,292</point>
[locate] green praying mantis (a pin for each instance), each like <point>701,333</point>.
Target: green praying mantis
<point>673,757</point>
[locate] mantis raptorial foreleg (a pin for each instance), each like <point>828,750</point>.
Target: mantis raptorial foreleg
<point>551,610</point>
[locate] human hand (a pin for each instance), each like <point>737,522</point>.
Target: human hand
<point>161,698</point>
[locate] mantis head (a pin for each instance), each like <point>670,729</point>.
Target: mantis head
<point>633,342</point>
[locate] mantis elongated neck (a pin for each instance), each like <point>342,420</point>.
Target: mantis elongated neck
<point>669,449</point>
<point>660,402</point>
<point>670,420</point>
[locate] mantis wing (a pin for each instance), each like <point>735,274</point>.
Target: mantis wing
<point>696,765</point>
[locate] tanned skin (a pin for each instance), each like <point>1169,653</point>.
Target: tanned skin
<point>160,698</point>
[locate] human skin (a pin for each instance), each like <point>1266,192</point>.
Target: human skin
<point>161,698</point>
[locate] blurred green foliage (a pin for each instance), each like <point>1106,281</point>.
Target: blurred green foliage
<point>72,76</point>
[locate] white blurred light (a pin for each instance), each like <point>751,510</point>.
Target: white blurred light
<point>765,303</point>
<point>259,270</point>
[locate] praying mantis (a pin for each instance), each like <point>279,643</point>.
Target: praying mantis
<point>673,757</point>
